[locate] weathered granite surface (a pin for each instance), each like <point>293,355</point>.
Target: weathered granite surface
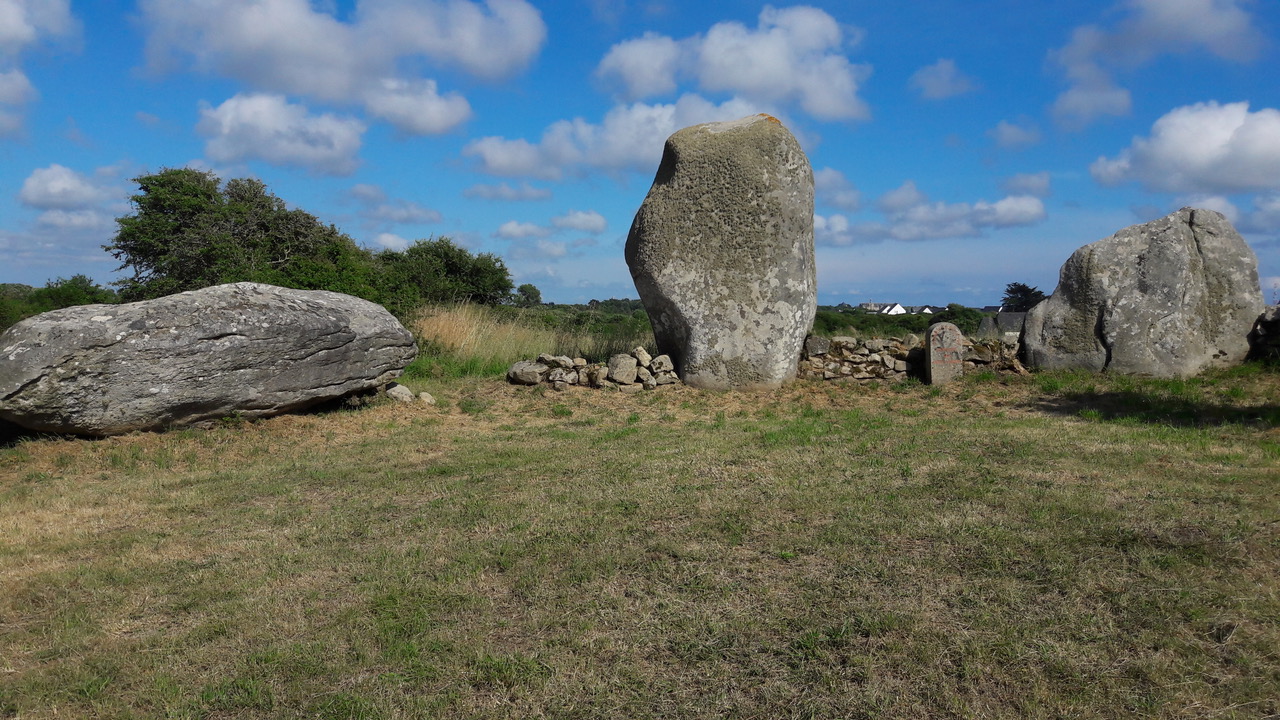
<point>243,349</point>
<point>1170,298</point>
<point>721,252</point>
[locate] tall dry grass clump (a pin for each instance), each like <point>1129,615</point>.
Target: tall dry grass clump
<point>471,339</point>
<point>469,330</point>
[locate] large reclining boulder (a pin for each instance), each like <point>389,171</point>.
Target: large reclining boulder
<point>245,349</point>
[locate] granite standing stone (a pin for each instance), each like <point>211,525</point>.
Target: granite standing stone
<point>721,252</point>
<point>946,354</point>
<point>987,329</point>
<point>1169,298</point>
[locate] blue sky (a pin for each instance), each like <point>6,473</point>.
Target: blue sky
<point>958,145</point>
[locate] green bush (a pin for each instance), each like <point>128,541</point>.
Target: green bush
<point>965,318</point>
<point>860,322</point>
<point>18,302</point>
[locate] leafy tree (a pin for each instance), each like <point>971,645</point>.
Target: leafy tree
<point>614,305</point>
<point>965,318</point>
<point>1019,297</point>
<point>190,231</point>
<point>481,278</point>
<point>437,270</point>
<point>528,295</point>
<point>68,292</point>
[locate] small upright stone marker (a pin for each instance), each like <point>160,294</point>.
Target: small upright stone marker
<point>946,354</point>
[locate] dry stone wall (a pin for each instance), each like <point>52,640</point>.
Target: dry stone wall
<point>870,360</point>
<point>625,372</point>
<point>836,359</point>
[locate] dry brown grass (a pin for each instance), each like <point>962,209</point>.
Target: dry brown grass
<point>470,330</point>
<point>482,338</point>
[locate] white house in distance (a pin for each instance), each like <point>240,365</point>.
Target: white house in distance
<point>883,308</point>
<point>899,309</point>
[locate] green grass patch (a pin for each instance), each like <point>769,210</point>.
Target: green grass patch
<point>1055,546</point>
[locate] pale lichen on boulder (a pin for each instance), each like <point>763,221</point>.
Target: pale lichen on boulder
<point>721,252</point>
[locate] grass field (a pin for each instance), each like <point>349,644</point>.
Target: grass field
<point>1045,547</point>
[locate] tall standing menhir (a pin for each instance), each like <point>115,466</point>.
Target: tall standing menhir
<point>721,252</point>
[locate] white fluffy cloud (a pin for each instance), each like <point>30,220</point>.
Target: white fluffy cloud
<point>588,221</point>
<point>390,241</point>
<point>513,230</point>
<point>1092,93</point>
<point>901,199</point>
<point>1202,148</point>
<point>416,107</point>
<point>15,88</point>
<point>1147,29</point>
<point>27,22</point>
<point>1015,135</point>
<point>269,128</point>
<point>643,67</point>
<point>1266,214</point>
<point>912,216</point>
<point>942,80</point>
<point>294,47</point>
<point>538,249</point>
<point>77,210</point>
<point>24,23</point>
<point>833,189</point>
<point>1212,202</point>
<point>1011,211</point>
<point>630,137</point>
<point>793,55</point>
<point>502,191</point>
<point>60,188</point>
<point>1036,184</point>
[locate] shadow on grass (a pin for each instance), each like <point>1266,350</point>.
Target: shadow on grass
<point>11,434</point>
<point>1159,409</point>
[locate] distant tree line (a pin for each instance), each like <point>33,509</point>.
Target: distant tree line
<point>189,230</point>
<point>830,321</point>
<point>22,301</point>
